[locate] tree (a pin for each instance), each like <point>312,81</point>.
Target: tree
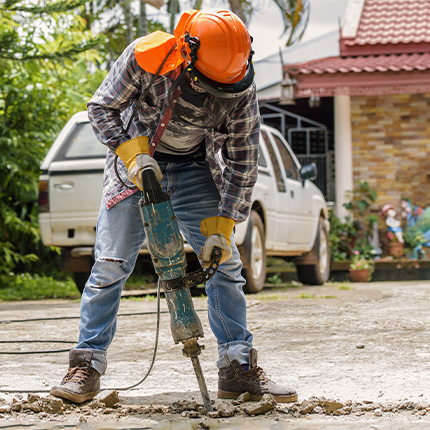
<point>295,15</point>
<point>40,73</point>
<point>117,24</point>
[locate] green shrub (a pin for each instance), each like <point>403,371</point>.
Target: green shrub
<point>25,286</point>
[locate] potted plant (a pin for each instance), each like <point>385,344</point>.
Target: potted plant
<point>395,247</point>
<point>361,267</point>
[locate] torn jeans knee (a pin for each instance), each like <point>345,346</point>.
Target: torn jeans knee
<point>109,270</point>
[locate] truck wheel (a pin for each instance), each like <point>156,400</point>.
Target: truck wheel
<point>80,279</point>
<point>319,271</point>
<point>254,271</point>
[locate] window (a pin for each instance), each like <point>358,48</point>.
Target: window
<point>261,160</point>
<point>291,169</point>
<point>82,144</point>
<point>279,180</point>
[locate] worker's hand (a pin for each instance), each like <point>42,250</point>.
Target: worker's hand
<point>218,230</point>
<point>135,155</point>
<point>143,161</point>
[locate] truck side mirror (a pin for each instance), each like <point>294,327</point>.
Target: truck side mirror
<point>308,172</point>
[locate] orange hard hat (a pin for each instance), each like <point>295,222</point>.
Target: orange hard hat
<point>224,43</point>
<point>216,44</point>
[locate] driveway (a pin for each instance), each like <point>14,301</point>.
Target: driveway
<point>358,355</point>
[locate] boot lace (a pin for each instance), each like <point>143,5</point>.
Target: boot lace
<point>256,373</point>
<point>77,374</point>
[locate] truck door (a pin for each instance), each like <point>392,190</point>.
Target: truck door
<point>278,221</point>
<point>301,219</point>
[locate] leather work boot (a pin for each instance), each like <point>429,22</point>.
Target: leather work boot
<point>82,382</point>
<point>233,380</point>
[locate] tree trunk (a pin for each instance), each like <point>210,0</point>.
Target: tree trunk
<point>173,7</point>
<point>143,21</point>
<point>128,21</point>
<point>198,4</point>
<point>237,7</point>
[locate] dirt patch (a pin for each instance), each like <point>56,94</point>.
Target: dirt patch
<point>356,353</point>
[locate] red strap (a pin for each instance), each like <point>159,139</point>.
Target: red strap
<point>163,123</point>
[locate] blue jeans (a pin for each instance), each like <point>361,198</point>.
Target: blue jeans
<point>120,236</point>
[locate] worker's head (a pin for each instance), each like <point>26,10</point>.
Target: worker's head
<point>217,47</point>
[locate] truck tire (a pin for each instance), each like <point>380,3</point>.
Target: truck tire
<point>314,267</point>
<point>254,270</point>
<point>80,279</point>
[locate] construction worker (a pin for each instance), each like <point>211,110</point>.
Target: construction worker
<point>190,96</point>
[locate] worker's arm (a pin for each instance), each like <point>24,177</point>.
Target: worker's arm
<point>121,87</point>
<point>240,156</point>
<point>111,107</point>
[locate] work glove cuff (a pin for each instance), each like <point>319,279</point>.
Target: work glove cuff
<point>128,150</point>
<point>218,225</point>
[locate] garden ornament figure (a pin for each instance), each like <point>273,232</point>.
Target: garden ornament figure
<point>393,224</point>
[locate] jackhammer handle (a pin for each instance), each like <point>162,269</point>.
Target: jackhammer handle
<point>216,256</point>
<point>198,277</point>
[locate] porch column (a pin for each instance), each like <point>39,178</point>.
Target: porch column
<point>343,153</point>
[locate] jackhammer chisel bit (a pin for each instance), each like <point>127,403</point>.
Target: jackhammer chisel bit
<point>166,247</point>
<point>192,349</point>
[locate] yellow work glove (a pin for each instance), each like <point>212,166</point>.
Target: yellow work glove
<point>218,230</point>
<point>135,155</point>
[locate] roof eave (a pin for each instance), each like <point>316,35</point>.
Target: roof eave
<point>349,49</point>
<point>362,83</point>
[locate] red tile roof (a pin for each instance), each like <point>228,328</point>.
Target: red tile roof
<point>390,51</point>
<point>388,26</point>
<point>394,21</point>
<point>371,63</point>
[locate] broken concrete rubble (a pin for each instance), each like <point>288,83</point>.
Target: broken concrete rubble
<point>108,404</point>
<point>266,404</point>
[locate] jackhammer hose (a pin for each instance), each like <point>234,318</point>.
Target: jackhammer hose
<point>157,331</point>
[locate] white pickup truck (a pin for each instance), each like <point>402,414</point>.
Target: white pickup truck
<point>288,218</point>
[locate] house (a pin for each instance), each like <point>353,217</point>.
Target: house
<point>377,91</point>
<point>309,130</point>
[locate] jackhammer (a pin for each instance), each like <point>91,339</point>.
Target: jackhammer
<point>166,247</point>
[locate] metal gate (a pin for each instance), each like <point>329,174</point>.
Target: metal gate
<point>307,138</point>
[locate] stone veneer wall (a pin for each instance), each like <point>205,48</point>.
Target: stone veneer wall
<point>391,146</point>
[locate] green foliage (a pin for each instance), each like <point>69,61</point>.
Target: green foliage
<point>353,234</point>
<point>109,19</point>
<point>274,279</point>
<point>46,31</point>
<point>305,296</point>
<point>43,80</point>
<point>34,287</point>
<point>271,297</point>
<point>344,287</point>
<point>362,261</point>
<point>295,15</point>
<point>363,197</point>
<point>342,236</point>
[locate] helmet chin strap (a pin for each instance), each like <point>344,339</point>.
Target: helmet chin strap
<point>196,87</point>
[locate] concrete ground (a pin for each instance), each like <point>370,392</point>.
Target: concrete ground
<point>358,355</point>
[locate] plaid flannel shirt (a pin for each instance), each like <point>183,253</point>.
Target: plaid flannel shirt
<point>231,148</point>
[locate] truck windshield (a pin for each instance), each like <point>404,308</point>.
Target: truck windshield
<point>81,144</point>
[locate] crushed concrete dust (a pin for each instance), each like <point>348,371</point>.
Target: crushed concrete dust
<point>357,354</point>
